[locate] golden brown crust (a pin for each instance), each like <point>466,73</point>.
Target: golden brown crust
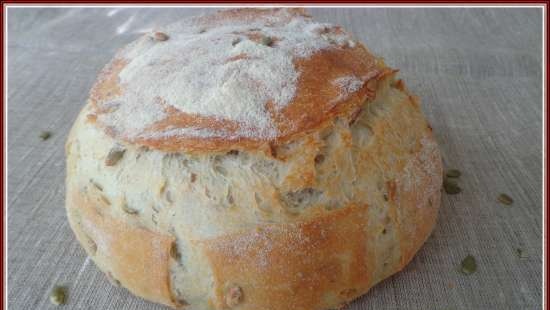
<point>318,264</point>
<point>331,257</point>
<point>325,259</point>
<point>315,95</point>
<point>366,165</point>
<point>133,257</point>
<point>316,100</point>
<point>417,212</point>
<point>310,265</point>
<point>318,260</point>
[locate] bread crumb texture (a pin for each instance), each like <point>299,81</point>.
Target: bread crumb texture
<point>307,223</point>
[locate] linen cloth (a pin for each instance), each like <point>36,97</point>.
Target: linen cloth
<point>478,72</point>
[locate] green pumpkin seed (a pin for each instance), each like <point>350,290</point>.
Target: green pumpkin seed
<point>105,200</point>
<point>174,253</point>
<point>267,41</point>
<point>58,295</point>
<point>115,154</point>
<point>129,210</point>
<point>96,185</point>
<point>505,199</point>
<point>468,265</point>
<point>521,253</point>
<point>45,135</point>
<point>453,173</point>
<point>451,187</point>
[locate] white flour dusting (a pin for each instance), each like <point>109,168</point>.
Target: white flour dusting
<point>347,85</point>
<point>195,132</point>
<point>421,174</point>
<point>222,71</point>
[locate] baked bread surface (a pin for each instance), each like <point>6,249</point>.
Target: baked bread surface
<point>296,188</point>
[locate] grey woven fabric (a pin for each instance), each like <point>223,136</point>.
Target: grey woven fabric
<point>478,73</point>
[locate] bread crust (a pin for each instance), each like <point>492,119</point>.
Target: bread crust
<point>134,257</point>
<point>316,101</point>
<point>318,264</point>
<point>312,219</point>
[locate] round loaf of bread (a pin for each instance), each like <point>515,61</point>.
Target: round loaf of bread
<point>251,159</point>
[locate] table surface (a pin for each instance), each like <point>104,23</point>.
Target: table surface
<point>478,72</point>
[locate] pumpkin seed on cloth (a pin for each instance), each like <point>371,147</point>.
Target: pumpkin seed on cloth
<point>505,199</point>
<point>521,253</point>
<point>451,187</point>
<point>453,173</point>
<point>45,135</point>
<point>468,265</point>
<point>58,295</point>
